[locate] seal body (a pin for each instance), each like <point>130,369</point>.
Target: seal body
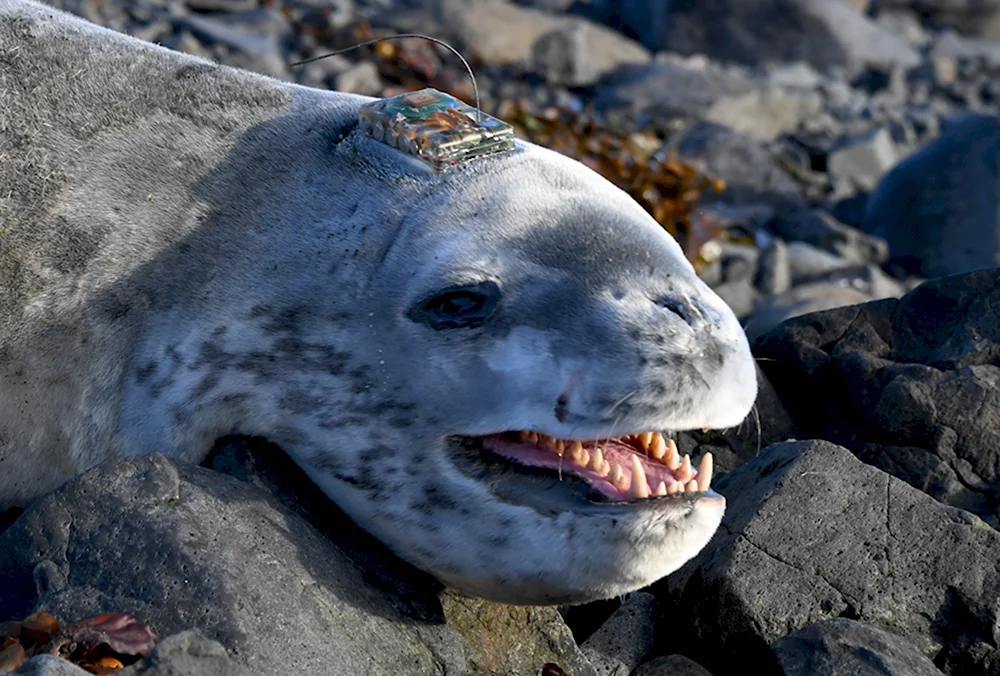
<point>189,251</point>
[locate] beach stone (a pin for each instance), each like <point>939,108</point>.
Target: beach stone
<point>939,209</point>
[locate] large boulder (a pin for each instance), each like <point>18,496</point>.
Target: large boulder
<point>939,209</point>
<point>183,547</point>
<point>910,385</point>
<point>812,533</point>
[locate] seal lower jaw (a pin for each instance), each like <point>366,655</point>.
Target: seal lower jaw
<point>567,543</point>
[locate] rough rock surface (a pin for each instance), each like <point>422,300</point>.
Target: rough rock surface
<point>842,646</point>
<point>625,639</point>
<point>910,385</point>
<point>812,533</point>
<point>184,547</point>
<point>672,665</point>
<point>187,654</point>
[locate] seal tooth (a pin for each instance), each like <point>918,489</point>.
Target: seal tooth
<point>524,436</point>
<point>579,454</point>
<point>705,472</point>
<point>661,489</point>
<point>691,486</point>
<point>639,487</point>
<point>675,487</point>
<point>657,446</point>
<point>618,478</point>
<point>644,439</point>
<point>533,437</point>
<point>596,460</point>
<point>685,472</point>
<point>672,459</point>
<point>560,447</point>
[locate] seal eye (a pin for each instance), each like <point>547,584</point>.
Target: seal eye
<point>459,307</point>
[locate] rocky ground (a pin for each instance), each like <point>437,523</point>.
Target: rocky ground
<point>857,143</point>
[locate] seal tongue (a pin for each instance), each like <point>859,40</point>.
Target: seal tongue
<point>630,467</point>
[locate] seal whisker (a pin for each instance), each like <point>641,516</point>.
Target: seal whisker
<point>621,401</point>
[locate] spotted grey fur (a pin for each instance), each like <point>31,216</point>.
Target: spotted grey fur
<point>189,251</point>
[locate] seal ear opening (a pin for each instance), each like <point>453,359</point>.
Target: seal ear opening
<point>458,307</point>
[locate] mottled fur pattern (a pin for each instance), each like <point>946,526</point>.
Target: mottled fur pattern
<point>189,251</point>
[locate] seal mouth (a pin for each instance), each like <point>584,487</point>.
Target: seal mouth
<point>629,468</point>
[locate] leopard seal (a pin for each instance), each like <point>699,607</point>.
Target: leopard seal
<point>473,364</point>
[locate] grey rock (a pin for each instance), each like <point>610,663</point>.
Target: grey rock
<point>886,83</point>
<point>807,262</point>
<point>360,78</point>
<point>811,533</point>
<point>909,385</point>
<point>822,33</point>
<point>323,73</point>
<point>551,6</point>
<point>187,654</point>
<point>184,41</point>
<point>973,17</point>
<point>222,5</point>
<point>925,121</point>
<point>255,36</point>
<point>621,642</point>
<point>774,274</point>
<point>796,75</point>
<point>819,228</point>
<point>499,33</point>
<point>692,89</point>
<point>950,45</point>
<point>48,665</point>
<point>869,279</point>
<point>802,300</point>
<point>183,547</point>
<point>672,665</point>
<point>739,261</point>
<point>863,158</point>
<point>905,26</point>
<point>740,296</point>
<point>573,56</point>
<point>939,209</point>
<point>843,646</point>
<point>752,177</point>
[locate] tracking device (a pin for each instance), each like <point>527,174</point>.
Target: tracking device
<point>435,127</point>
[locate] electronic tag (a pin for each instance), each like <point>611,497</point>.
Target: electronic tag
<point>435,127</point>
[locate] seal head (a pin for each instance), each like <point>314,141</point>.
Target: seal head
<point>473,364</point>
